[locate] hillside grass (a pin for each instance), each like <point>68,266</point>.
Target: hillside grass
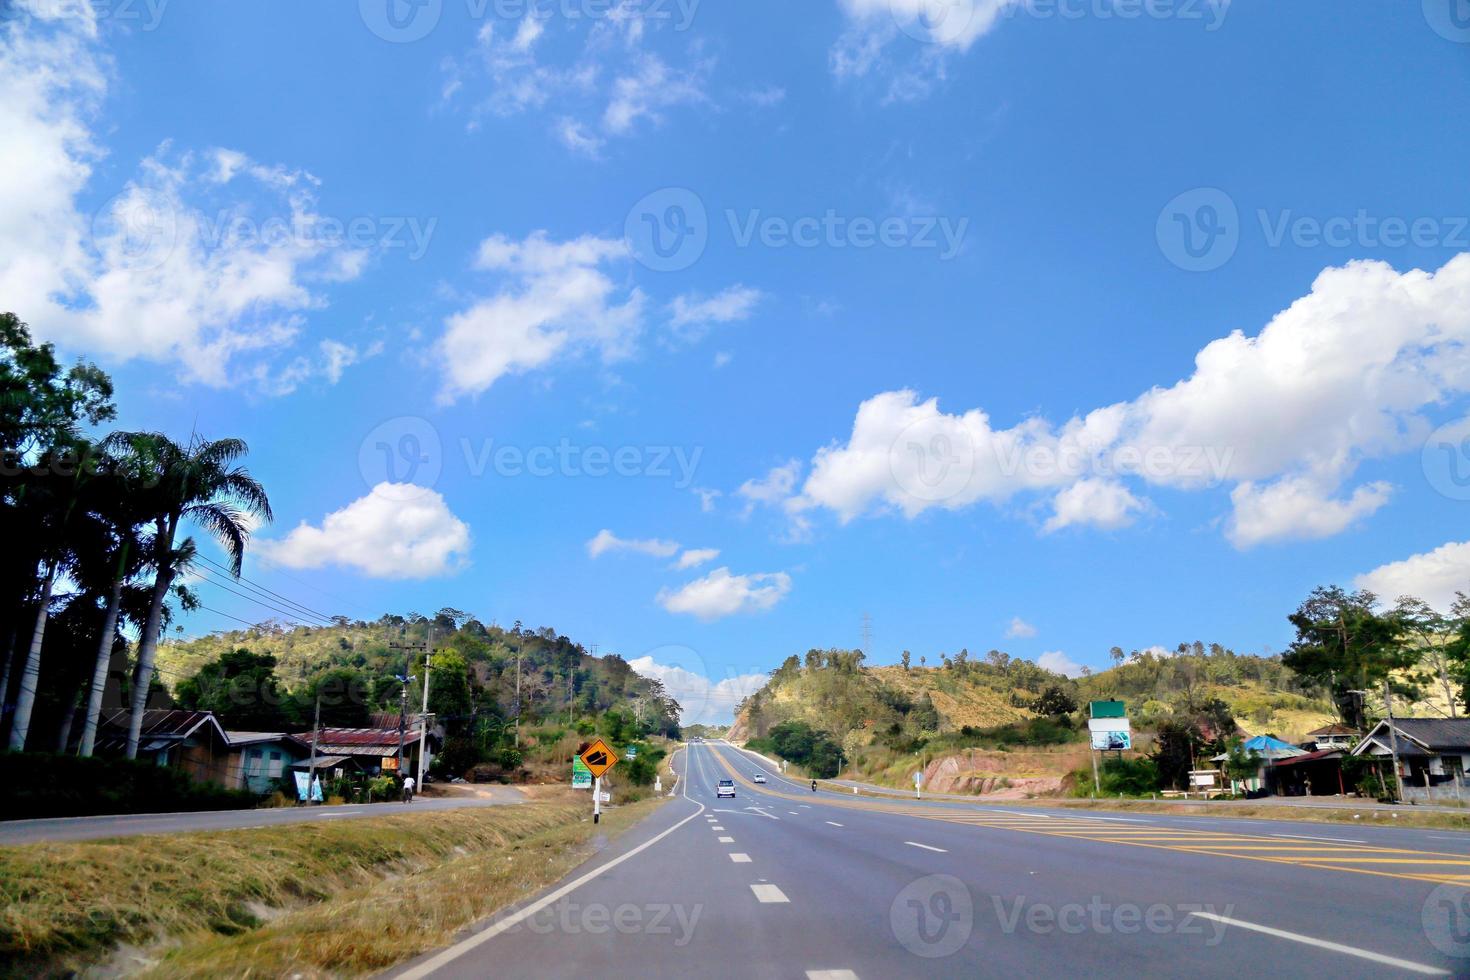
<point>312,900</point>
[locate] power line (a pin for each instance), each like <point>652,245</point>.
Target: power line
<point>260,588</point>
<point>290,613</point>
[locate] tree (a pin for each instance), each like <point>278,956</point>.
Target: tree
<point>1176,746</point>
<point>202,484</point>
<point>1346,647</point>
<point>1431,634</point>
<point>907,659</point>
<point>243,692</point>
<point>1053,701</point>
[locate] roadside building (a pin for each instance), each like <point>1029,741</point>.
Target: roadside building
<point>260,761</point>
<point>373,751</point>
<point>190,741</point>
<point>1433,754</point>
<point>1334,736</point>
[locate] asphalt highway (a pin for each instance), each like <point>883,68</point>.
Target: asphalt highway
<point>784,882</point>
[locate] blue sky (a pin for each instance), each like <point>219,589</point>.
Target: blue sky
<point>950,312</point>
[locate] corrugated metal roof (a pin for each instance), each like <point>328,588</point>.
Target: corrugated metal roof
<point>361,737</point>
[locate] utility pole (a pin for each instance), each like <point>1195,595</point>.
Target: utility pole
<point>1393,739</point>
<point>405,679</point>
<point>424,726</point>
<point>316,728</point>
<point>518,697</point>
<point>867,635</point>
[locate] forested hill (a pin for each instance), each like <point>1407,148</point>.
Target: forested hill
<point>356,662</point>
<point>835,691</point>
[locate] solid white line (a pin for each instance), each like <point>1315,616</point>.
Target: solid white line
<point>834,823</point>
<point>1335,840</point>
<point>831,975</point>
<point>739,858</point>
<point>727,840</point>
<point>925,846</point>
<point>768,894</point>
<point>454,952</point>
<point>1409,965</point>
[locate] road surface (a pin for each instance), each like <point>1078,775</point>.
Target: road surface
<point>783,882</point>
<point>13,832</point>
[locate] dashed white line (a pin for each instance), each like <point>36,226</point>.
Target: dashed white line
<point>926,847</point>
<point>717,828</point>
<point>1364,954</point>
<point>727,840</point>
<point>831,975</point>
<point>768,894</point>
<point>834,823</point>
<point>793,813</point>
<point>1335,840</point>
<point>739,858</point>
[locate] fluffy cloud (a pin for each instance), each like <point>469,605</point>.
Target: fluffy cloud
<point>1434,576</point>
<point>1020,629</point>
<point>1298,508</point>
<point>398,531</point>
<point>605,542</point>
<point>1347,373</point>
<point>691,315</point>
<point>557,300</point>
<point>928,33</point>
<point>721,594</point>
<point>1105,504</point>
<point>773,489</point>
<point>603,89</point>
<point>1058,662</point>
<point>206,259</point>
<point>702,701</point>
<point>695,557</point>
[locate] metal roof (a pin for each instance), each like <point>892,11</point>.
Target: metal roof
<point>361,737</point>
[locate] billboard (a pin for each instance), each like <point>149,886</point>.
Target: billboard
<point>1111,734</point>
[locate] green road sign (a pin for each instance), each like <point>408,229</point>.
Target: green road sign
<point>1109,709</point>
<point>581,775</point>
<point>632,752</point>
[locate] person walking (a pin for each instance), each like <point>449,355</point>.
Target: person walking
<point>408,788</point>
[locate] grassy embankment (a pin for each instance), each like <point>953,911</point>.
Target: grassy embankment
<point>312,900</point>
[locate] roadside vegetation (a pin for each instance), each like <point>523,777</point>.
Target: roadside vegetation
<point>342,898</point>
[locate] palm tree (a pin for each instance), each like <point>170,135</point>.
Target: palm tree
<point>200,483</point>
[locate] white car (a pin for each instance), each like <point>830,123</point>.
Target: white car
<point>759,777</point>
<point>725,787</point>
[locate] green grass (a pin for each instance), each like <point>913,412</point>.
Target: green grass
<point>340,898</point>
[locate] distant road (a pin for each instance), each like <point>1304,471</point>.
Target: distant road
<point>784,882</point>
<point>13,832</point>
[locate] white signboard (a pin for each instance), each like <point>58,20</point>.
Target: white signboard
<point>1110,734</point>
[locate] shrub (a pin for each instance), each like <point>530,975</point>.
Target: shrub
<point>38,784</point>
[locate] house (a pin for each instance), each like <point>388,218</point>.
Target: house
<point>1433,752</point>
<point>260,761</point>
<point>1269,752</point>
<point>1316,773</point>
<point>372,750</point>
<point>1334,736</point>
<point>190,741</point>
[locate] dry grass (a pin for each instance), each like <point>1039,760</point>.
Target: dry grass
<point>322,899</point>
<point>1403,816</point>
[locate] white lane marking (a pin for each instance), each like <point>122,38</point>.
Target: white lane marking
<point>805,806</point>
<point>727,840</point>
<point>926,847</point>
<point>768,894</point>
<point>717,828</point>
<point>1335,840</point>
<point>739,858</point>
<point>834,823</point>
<point>436,963</point>
<point>793,813</point>
<point>1409,965</point>
<point>831,975</point>
<point>1118,819</point>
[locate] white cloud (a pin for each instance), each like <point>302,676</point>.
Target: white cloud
<point>721,594</point>
<point>1298,508</point>
<point>397,531</point>
<point>1347,373</point>
<point>1104,504</point>
<point>691,315</point>
<point>602,90</point>
<point>1434,576</point>
<point>702,701</point>
<point>707,498</point>
<point>558,301</point>
<point>206,259</point>
<point>773,489</point>
<point>925,33</point>
<point>1059,663</point>
<point>695,557</point>
<point>1020,629</point>
<point>605,541</point>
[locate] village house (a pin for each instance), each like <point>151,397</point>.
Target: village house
<point>1433,754</point>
